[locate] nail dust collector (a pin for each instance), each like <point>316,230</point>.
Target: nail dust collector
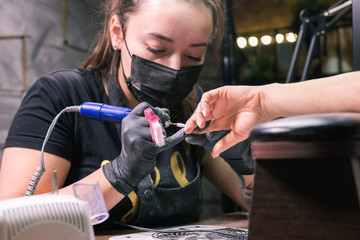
<point>51,216</point>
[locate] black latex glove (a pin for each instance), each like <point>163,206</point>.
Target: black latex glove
<point>238,156</point>
<point>138,153</point>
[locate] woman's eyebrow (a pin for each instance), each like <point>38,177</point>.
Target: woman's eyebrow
<point>162,37</point>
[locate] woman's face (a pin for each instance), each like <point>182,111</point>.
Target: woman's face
<point>173,33</point>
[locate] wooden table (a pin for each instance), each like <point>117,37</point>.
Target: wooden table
<point>236,219</point>
<point>307,178</point>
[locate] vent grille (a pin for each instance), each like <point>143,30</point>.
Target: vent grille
<point>20,218</point>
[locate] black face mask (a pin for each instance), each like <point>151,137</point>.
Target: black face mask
<point>159,85</point>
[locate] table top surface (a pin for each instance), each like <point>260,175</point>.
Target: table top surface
<point>236,219</point>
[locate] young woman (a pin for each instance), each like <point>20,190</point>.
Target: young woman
<point>148,54</point>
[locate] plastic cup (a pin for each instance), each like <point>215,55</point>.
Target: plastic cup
<point>94,201</point>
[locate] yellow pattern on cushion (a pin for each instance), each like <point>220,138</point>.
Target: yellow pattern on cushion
<point>133,212</point>
<point>179,175</point>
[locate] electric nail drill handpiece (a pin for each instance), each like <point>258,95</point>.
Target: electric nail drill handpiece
<point>104,112</point>
<point>115,114</point>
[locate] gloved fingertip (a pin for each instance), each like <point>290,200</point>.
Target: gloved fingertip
<point>203,128</point>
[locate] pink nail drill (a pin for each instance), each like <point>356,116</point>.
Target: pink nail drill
<point>156,128</point>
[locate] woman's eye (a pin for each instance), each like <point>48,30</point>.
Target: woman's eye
<point>153,50</point>
<point>197,59</point>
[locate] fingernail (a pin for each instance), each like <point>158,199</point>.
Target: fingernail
<point>204,113</point>
<point>198,123</point>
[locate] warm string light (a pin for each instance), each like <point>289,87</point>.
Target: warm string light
<point>253,41</point>
<point>279,38</point>
<point>241,42</point>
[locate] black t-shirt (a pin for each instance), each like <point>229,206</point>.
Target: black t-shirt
<point>84,142</point>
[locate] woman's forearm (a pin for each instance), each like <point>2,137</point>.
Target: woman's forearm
<point>338,93</point>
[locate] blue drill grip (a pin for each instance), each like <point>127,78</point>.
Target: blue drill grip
<point>103,112</point>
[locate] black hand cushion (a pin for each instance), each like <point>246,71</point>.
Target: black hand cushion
<point>324,126</point>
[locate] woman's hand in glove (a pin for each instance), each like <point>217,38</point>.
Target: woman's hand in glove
<point>138,152</point>
<point>238,156</point>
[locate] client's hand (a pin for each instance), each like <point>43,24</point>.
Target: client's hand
<point>138,153</point>
<point>238,156</point>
